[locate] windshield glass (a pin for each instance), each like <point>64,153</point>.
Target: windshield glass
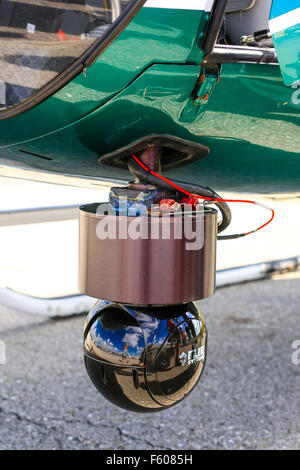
<point>39,39</point>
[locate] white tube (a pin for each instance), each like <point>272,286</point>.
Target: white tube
<point>57,307</point>
<point>78,304</point>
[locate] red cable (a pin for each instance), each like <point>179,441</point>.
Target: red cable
<point>208,198</point>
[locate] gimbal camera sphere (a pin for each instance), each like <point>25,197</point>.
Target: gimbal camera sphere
<point>144,362</point>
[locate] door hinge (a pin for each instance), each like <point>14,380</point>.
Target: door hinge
<point>205,84</point>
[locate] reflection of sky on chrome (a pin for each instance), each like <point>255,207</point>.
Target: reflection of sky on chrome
<point>149,330</point>
<point>114,340</point>
<point>102,343</point>
<point>159,340</point>
<point>150,326</point>
<point>152,331</point>
<point>99,306</point>
<point>132,336</point>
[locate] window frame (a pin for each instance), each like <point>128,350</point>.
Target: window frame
<point>79,65</point>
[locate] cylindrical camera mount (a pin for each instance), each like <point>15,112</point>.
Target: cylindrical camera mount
<point>145,341</point>
<point>149,259</point>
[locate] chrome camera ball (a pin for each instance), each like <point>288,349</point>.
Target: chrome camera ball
<point>144,359</point>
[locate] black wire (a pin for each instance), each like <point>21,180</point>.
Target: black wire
<point>145,175</point>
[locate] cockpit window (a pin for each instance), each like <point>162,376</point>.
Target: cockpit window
<point>40,39</point>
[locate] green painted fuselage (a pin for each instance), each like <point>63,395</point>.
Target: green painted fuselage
<point>144,83</point>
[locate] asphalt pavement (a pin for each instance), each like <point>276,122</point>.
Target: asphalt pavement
<point>247,398</point>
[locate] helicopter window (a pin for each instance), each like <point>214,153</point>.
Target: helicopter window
<point>40,39</point>
<point>243,18</point>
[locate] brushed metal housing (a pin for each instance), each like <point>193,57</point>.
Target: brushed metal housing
<point>146,271</point>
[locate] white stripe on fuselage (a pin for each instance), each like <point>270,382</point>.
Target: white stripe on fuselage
<point>204,5</point>
<point>284,21</point>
